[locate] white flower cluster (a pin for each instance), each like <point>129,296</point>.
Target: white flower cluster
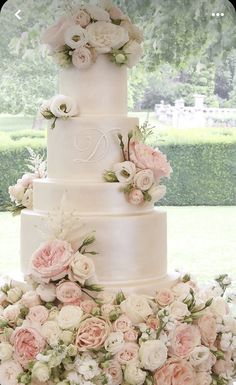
<point>59,106</point>
<point>92,30</point>
<point>21,194</point>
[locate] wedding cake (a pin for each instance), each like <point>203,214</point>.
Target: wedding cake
<point>131,239</point>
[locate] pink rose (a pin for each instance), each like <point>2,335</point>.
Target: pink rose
<point>51,261</point>
<point>207,326</point>
<point>122,324</point>
<point>153,323</point>
<point>82,18</point>
<point>128,353</point>
<point>27,344</point>
<point>146,157</point>
<point>183,339</point>
<point>30,299</point>
<point>38,314</point>
<point>88,305</point>
<point>175,372</point>
<point>54,36</point>
<point>68,292</point>
<point>11,312</point>
<point>92,333</point>
<point>135,197</point>
<point>164,297</point>
<point>131,335</point>
<point>115,371</point>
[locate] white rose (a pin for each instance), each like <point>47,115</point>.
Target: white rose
<point>134,375</point>
<point>82,18</point>
<point>105,36</point>
<point>125,171</point>
<point>16,192</point>
<point>152,354</point>
<point>54,36</point>
<point>134,51</point>
<point>47,293</point>
<point>41,372</point>
<point>219,307</point>
<point>27,199</point>
<point>69,317</point>
<point>6,351</point>
<point>11,312</point>
<point>137,308</point>
<point>9,371</point>
<point>114,342</point>
<point>82,58</point>
<point>157,192</point>
<point>199,355</point>
<point>30,299</point>
<point>179,310</point>
<point>106,297</point>
<point>144,180</point>
<point>67,337</point>
<point>51,332</point>
<point>97,13</point>
<point>81,268</point>
<point>14,294</point>
<point>63,106</point>
<point>134,32</point>
<point>76,37</point>
<point>203,378</point>
<point>181,291</point>
<point>27,179</point>
<point>229,324</point>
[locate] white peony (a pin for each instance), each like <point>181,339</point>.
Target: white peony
<point>134,32</point>
<point>27,199</point>
<point>157,192</point>
<point>134,375</point>
<point>82,58</point>
<point>114,342</point>
<point>144,179</point>
<point>6,351</point>
<point>105,36</point>
<point>134,51</point>
<point>178,310</point>
<point>81,268</point>
<point>199,355</point>
<point>16,192</point>
<point>47,293</point>
<point>125,171</point>
<point>41,372</point>
<point>9,371</point>
<point>54,36</point>
<point>63,106</point>
<point>69,317</point>
<point>67,337</point>
<point>96,13</point>
<point>76,37</point>
<point>152,354</point>
<point>137,308</point>
<point>51,332</point>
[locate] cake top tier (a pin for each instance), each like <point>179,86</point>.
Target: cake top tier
<point>88,31</point>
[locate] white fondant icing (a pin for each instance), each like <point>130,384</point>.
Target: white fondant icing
<point>132,248</point>
<point>86,198</point>
<point>99,90</point>
<point>82,148</point>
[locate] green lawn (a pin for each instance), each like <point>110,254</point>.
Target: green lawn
<point>200,240</point>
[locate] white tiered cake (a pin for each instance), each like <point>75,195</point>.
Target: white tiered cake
<point>131,241</point>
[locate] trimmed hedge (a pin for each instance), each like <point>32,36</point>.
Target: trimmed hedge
<point>203,173</point>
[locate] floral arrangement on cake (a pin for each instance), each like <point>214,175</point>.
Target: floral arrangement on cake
<point>21,194</point>
<point>59,106</point>
<point>141,170</point>
<point>90,30</point>
<point>61,328</point>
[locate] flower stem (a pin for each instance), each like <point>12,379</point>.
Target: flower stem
<point>53,123</point>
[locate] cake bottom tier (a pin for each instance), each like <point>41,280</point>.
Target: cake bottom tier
<point>132,250</point>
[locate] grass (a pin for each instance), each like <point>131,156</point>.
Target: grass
<point>201,240</point>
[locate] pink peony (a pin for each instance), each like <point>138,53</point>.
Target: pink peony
<point>51,261</point>
<point>175,372</point>
<point>68,292</point>
<point>27,344</point>
<point>122,324</point>
<point>183,339</point>
<point>92,333</point>
<point>38,314</point>
<point>115,371</point>
<point>165,297</point>
<point>145,157</point>
<point>128,353</point>
<point>207,326</point>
